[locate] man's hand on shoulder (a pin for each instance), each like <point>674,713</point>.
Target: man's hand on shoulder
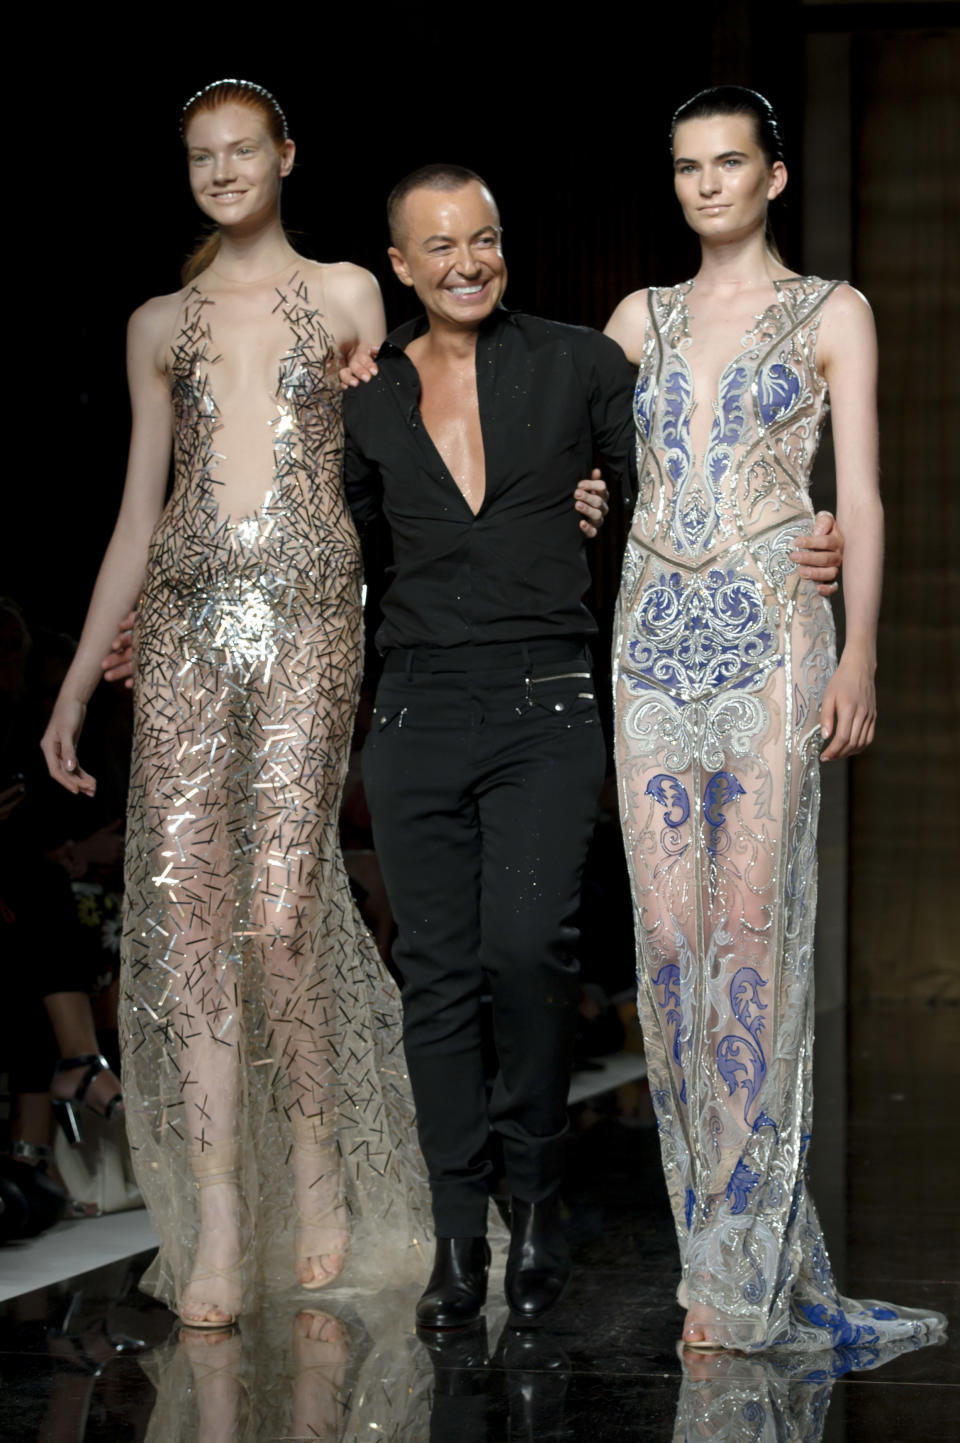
<point>592,499</point>
<point>361,366</point>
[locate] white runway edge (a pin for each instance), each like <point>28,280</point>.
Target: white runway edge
<point>70,1248</point>
<point>611,1072</point>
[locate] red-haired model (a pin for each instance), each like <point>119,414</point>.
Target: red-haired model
<point>261,1036</point>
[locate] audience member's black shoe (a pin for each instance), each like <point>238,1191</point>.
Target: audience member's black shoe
<point>457,1289</point>
<point>538,1263</point>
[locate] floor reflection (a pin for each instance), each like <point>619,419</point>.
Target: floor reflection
<point>358,1373</point>
<point>780,1396</point>
<point>289,1373</point>
<point>94,1360</point>
<point>518,1391</point>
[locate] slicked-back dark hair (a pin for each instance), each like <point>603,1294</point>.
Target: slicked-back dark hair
<point>737,100</point>
<point>427,177</point>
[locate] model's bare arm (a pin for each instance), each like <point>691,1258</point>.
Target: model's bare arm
<point>847,357</point>
<point>121,573</point>
<point>628,326</point>
<point>356,306</point>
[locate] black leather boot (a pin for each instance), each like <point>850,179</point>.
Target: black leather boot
<point>538,1263</point>
<point>457,1289</point>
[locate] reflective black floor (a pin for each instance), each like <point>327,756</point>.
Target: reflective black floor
<point>886,1166</point>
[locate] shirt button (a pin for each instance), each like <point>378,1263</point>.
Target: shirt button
<point>558,706</point>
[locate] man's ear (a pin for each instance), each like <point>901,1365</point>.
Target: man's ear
<point>399,266</point>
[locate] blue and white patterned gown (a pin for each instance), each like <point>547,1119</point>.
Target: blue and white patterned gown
<point>721,659</point>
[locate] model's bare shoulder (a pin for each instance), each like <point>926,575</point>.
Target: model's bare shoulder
<point>352,301</point>
<point>847,332</point>
<point>347,282</point>
<point>151,326</point>
<point>846,303</point>
<point>156,313</point>
<point>628,324</point>
<point>635,303</point>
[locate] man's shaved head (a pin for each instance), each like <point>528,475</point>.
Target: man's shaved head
<point>427,177</point>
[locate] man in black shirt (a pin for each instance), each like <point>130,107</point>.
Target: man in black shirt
<point>485,757</point>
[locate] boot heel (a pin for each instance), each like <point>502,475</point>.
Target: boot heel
<point>67,1119</point>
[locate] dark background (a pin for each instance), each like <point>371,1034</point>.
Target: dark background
<point>566,113</point>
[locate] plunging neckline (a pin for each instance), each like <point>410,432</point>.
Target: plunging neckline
<point>749,341</point>
<point>282,422</point>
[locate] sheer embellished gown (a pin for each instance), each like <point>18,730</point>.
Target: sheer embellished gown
<point>721,659</point>
<point>263,1066</point>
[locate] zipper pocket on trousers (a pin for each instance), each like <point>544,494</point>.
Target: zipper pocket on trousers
<point>529,682</point>
<point>560,676</point>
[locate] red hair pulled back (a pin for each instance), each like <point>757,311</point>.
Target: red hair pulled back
<point>213,97</point>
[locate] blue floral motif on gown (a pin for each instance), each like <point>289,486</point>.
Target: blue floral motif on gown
<point>721,659</point>
<point>698,636</point>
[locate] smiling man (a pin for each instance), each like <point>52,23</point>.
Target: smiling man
<point>486,755</point>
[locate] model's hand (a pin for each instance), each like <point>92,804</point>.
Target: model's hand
<point>848,715</point>
<point>118,663</point>
<point>360,367</point>
<point>820,556</point>
<point>59,747</point>
<point>593,499</point>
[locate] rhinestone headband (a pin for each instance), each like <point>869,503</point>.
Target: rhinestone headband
<point>245,85</point>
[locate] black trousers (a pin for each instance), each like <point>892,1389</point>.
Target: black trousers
<point>482,771</point>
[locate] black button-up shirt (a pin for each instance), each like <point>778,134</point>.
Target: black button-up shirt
<point>551,398</point>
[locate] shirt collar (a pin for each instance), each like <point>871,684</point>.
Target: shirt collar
<point>399,339</point>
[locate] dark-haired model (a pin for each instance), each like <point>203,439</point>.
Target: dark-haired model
<point>728,694</point>
<point>261,1036</point>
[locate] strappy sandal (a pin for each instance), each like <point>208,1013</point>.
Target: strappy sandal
<point>65,1108</point>
<point>322,1233</point>
<point>218,1163</point>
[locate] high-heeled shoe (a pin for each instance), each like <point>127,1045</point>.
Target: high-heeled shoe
<point>65,1108</point>
<point>321,1232</point>
<point>217,1165</point>
<point>40,1155</point>
<point>30,1202</point>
